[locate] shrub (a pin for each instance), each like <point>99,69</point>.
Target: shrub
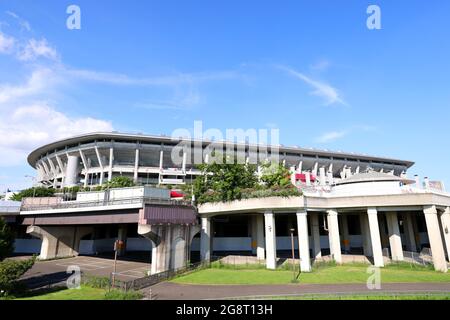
<point>10,271</point>
<point>119,182</point>
<point>36,192</point>
<point>96,282</point>
<point>275,175</point>
<point>6,239</point>
<point>122,295</point>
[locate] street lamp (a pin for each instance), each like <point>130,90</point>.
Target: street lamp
<point>33,179</point>
<point>293,255</point>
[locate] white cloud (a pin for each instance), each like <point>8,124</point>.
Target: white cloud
<point>170,80</point>
<point>321,89</point>
<point>35,49</point>
<point>339,134</point>
<point>6,43</point>
<point>28,120</point>
<point>39,80</point>
<point>22,22</point>
<point>31,126</point>
<point>331,136</point>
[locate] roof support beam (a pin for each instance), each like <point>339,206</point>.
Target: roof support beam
<point>83,160</point>
<point>100,164</point>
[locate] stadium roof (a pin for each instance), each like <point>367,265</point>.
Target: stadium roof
<point>90,137</point>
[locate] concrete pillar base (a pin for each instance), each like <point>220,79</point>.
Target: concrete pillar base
<point>303,241</point>
<point>445,222</point>
<point>375,238</point>
<point>171,245</point>
<point>395,240</point>
<point>59,241</point>
<point>205,240</point>
<point>271,245</point>
<point>434,235</point>
<point>333,235</point>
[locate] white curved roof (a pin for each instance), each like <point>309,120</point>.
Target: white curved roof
<point>374,176</point>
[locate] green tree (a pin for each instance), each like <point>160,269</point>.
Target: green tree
<point>222,181</point>
<point>6,240</point>
<point>275,175</point>
<point>33,192</point>
<point>119,182</point>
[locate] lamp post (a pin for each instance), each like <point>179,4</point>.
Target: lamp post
<point>33,179</point>
<point>293,255</point>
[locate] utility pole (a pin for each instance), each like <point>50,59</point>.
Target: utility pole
<point>33,179</point>
<point>293,256</point>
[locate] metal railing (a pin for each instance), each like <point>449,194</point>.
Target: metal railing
<point>145,282</point>
<point>98,203</point>
<point>423,258</point>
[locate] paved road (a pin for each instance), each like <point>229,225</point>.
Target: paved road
<point>174,291</point>
<point>55,271</point>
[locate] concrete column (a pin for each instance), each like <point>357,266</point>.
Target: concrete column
<point>122,235</point>
<point>303,241</point>
<point>409,232</point>
<point>183,164</point>
<point>445,222</point>
<point>322,176</point>
<point>161,157</point>
<point>71,171</point>
<point>271,245</point>
<point>375,239</point>
<point>346,236</point>
<point>434,235</point>
<point>205,240</point>
<point>258,236</point>
<point>160,248</point>
<point>365,234</point>
<point>111,161</point>
<point>308,178</point>
<point>395,241</point>
<point>333,235</point>
<point>136,165</point>
<point>170,245</point>
<point>317,253</point>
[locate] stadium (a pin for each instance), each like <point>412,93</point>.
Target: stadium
<point>91,159</point>
<point>352,205</point>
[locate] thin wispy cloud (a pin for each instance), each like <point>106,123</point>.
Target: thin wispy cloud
<point>39,80</point>
<point>164,80</point>
<point>22,22</point>
<point>331,136</point>
<point>180,102</point>
<point>35,49</point>
<point>327,92</point>
<point>6,43</point>
<point>321,65</point>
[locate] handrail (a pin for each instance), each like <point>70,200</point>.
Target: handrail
<point>111,202</point>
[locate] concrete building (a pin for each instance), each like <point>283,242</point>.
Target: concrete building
<point>352,205</point>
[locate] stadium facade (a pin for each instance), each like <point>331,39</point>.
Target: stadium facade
<point>352,205</point>
<point>94,158</point>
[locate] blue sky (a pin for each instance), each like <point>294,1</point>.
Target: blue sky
<point>310,68</point>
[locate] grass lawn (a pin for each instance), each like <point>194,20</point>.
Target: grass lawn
<point>419,296</point>
<point>349,273</point>
<point>85,293</point>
